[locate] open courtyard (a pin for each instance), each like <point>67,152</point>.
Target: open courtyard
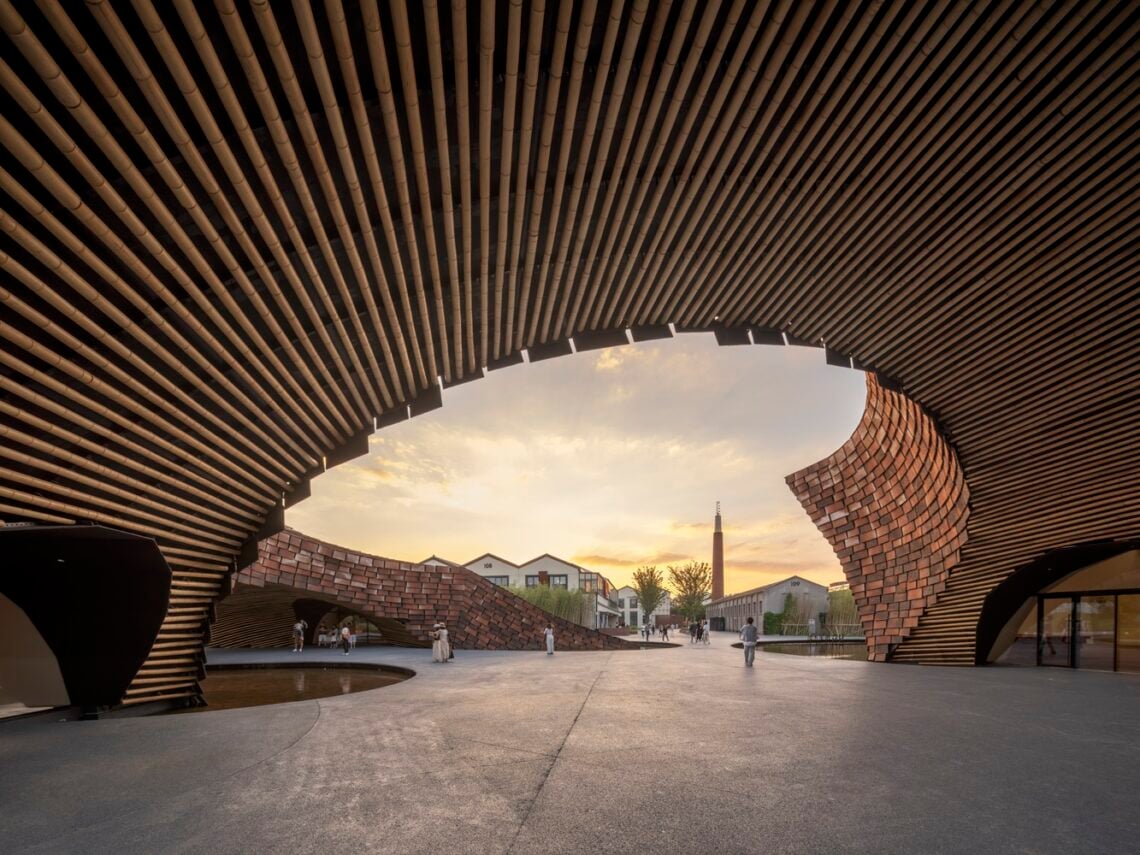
<point>660,750</point>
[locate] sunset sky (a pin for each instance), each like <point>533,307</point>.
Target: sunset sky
<point>611,459</point>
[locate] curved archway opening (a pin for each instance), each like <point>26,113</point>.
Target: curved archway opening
<point>607,460</point>
<point>1077,607</point>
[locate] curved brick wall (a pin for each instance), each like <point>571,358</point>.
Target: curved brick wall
<point>479,615</point>
<point>253,616</point>
<point>893,502</point>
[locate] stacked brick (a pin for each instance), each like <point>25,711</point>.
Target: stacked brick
<point>894,503</point>
<point>479,614</point>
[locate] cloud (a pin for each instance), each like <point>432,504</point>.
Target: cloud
<point>616,458</point>
<point>592,560</point>
<point>788,567</point>
<point>702,525</point>
<point>609,359</point>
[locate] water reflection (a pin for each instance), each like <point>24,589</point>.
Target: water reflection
<point>253,687</point>
<point>822,649</point>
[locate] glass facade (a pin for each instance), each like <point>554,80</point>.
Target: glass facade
<point>1023,649</point>
<point>1054,644</point>
<point>1091,631</point>
<point>1096,633</point>
<point>1090,619</point>
<point>1128,633</point>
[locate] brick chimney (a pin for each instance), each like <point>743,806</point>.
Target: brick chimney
<point>718,558</point>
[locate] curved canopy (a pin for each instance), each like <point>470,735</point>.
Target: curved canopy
<point>236,237</point>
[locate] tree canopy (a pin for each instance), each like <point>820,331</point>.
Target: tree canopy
<point>649,585</point>
<point>691,583</point>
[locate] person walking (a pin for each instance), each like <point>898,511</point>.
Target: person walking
<point>549,633</point>
<point>693,629</point>
<point>748,636</point>
<point>344,639</point>
<point>705,633</point>
<point>665,633</point>
<point>299,636</point>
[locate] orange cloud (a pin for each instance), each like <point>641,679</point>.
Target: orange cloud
<point>611,561</point>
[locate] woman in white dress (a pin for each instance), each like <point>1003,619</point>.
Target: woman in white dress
<point>437,642</point>
<point>549,633</point>
<point>444,642</point>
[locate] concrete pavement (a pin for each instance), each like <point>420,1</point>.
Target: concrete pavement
<point>668,749</point>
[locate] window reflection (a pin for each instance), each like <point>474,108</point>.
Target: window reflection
<point>1056,627</point>
<point>1128,633</point>
<point>1023,649</point>
<point>1096,625</point>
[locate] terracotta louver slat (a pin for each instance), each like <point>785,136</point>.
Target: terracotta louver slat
<point>237,236</point>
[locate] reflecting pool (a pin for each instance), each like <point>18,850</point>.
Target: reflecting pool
<point>253,687</point>
<point>824,649</point>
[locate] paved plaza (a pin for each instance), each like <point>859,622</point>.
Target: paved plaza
<point>678,750</point>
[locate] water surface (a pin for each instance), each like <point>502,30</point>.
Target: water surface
<point>254,687</point>
<point>823,649</point>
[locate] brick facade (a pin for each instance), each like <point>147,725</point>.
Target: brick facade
<point>894,503</point>
<point>479,614</point>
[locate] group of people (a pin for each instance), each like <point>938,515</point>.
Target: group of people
<point>441,650</point>
<point>647,631</point>
<point>345,637</point>
<point>441,643</point>
<point>699,632</point>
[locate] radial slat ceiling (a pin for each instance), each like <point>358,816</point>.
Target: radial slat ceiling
<point>236,234</point>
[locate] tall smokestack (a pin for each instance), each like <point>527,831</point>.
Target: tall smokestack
<point>718,558</point>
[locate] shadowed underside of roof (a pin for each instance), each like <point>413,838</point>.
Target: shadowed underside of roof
<point>236,238</point>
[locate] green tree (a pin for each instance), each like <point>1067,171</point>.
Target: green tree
<point>574,606</point>
<point>842,615</point>
<point>649,585</point>
<point>691,583</point>
<point>774,621</point>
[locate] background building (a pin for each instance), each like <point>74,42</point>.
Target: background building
<point>548,570</point>
<point>730,613</point>
<point>631,608</point>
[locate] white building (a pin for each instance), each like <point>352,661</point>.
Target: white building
<point>549,570</point>
<point>631,610</point>
<point>735,609</point>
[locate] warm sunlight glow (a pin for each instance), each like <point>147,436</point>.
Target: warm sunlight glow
<point>611,459</point>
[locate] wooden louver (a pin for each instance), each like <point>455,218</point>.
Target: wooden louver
<point>236,235</point>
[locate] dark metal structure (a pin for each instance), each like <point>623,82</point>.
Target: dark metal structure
<point>97,597</point>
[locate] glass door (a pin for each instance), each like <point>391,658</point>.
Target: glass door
<point>1096,632</point>
<point>1128,633</point>
<point>1055,639</point>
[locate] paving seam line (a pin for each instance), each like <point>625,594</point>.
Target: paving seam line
<point>556,755</point>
